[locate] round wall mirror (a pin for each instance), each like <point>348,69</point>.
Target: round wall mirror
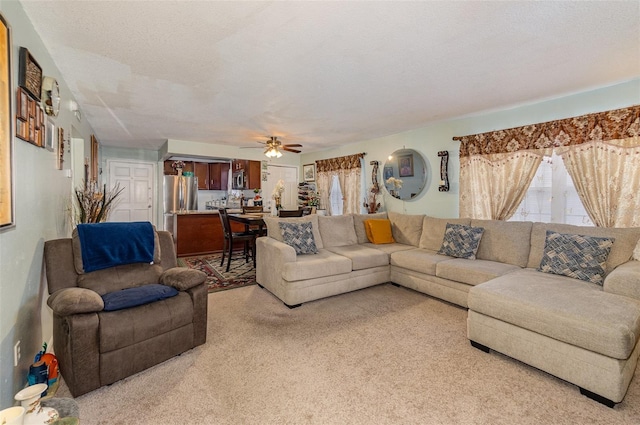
<point>405,174</point>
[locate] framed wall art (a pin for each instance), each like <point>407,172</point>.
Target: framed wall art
<point>387,172</point>
<point>309,172</point>
<point>405,165</point>
<point>30,74</point>
<point>7,208</point>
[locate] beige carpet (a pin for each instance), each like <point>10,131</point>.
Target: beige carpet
<point>383,355</point>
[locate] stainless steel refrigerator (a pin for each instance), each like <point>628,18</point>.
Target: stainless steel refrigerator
<point>180,194</point>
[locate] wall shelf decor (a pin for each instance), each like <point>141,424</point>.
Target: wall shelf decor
<point>29,119</point>
<point>60,151</point>
<point>444,171</point>
<point>30,74</point>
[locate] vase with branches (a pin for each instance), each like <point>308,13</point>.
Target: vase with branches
<point>92,204</point>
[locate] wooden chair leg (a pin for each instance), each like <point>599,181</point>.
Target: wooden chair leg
<point>224,250</point>
<point>230,252</point>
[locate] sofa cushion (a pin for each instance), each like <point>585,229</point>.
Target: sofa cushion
<point>389,248</point>
<point>337,230</point>
<point>472,272</point>
<point>299,236</point>
<point>504,241</point>
<point>379,231</point>
<point>358,224</point>
<point>325,263</point>
<point>132,297</point>
<point>418,259</point>
<point>577,256</point>
<point>406,228</point>
<point>362,257</point>
<point>120,277</point>
<point>562,308</point>
<point>122,328</point>
<point>433,231</point>
<point>621,251</point>
<point>461,241</point>
<point>273,229</point>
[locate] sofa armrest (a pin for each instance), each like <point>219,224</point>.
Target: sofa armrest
<point>68,301</point>
<point>271,257</point>
<point>624,280</point>
<point>182,278</point>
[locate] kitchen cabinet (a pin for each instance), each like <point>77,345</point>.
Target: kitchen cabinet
<point>197,234</point>
<point>252,172</point>
<point>218,176</point>
<point>212,176</point>
<point>168,167</point>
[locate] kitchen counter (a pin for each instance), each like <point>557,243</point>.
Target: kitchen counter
<point>200,232</point>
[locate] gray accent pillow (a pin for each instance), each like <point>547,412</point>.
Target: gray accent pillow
<point>577,256</point>
<point>461,241</point>
<point>299,236</point>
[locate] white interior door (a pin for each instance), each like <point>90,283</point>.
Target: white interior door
<point>136,201</point>
<point>289,174</point>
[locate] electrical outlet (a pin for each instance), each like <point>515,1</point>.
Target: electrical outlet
<point>16,354</point>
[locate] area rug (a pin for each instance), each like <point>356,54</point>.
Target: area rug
<point>240,274</point>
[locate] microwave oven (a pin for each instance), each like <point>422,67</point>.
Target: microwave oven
<point>238,182</point>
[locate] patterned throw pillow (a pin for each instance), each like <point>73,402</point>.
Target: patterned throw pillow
<point>576,256</point>
<point>299,236</point>
<point>461,241</point>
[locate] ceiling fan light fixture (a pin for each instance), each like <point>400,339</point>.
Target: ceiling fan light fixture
<point>272,152</point>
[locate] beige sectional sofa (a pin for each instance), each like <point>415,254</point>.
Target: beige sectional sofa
<point>582,332</point>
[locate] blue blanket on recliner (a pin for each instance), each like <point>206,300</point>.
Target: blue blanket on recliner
<point>105,245</point>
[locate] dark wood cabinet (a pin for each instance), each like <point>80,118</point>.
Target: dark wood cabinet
<point>218,176</point>
<point>212,176</point>
<point>168,167</point>
<point>253,175</point>
<point>198,234</point>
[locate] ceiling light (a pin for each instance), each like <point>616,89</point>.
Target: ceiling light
<point>272,152</point>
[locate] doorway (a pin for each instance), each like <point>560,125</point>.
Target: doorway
<point>288,174</point>
<point>137,179</point>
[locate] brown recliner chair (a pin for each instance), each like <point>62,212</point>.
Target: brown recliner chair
<point>96,347</point>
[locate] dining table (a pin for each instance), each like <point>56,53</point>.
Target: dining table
<point>250,220</point>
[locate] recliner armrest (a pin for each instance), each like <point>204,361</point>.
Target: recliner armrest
<point>182,278</point>
<point>68,301</point>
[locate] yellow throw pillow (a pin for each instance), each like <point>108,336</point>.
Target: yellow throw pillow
<point>378,231</point>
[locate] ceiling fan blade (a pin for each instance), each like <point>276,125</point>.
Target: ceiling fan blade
<point>295,145</point>
<point>284,148</point>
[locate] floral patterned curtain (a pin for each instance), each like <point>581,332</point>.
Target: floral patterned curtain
<point>601,152</point>
<point>348,169</point>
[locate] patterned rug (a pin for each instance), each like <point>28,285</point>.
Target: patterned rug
<point>240,274</point>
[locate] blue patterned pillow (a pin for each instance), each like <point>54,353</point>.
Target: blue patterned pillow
<point>576,256</point>
<point>299,236</point>
<point>461,241</point>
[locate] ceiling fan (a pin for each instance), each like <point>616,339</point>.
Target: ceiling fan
<point>273,147</point>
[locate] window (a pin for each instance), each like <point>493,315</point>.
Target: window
<point>552,197</point>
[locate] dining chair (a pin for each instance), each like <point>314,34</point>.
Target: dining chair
<point>290,213</point>
<point>254,210</point>
<point>230,237</point>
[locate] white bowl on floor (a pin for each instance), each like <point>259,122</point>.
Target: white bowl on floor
<point>12,416</point>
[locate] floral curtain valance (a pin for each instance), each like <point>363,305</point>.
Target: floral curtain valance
<point>601,126</point>
<point>340,163</point>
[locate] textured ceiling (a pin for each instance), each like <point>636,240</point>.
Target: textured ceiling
<point>323,74</point>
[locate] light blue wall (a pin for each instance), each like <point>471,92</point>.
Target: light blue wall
<point>42,194</point>
<point>438,137</point>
